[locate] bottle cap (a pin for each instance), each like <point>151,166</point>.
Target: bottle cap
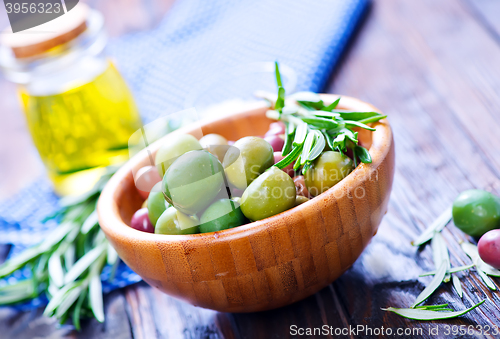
<point>40,39</point>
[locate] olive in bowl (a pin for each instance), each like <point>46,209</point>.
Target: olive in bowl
<point>272,262</point>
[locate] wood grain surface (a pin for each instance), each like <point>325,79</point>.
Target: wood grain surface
<point>432,66</point>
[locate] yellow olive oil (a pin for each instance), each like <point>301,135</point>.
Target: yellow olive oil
<point>82,128</point>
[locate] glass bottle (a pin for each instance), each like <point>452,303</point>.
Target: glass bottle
<point>78,108</point>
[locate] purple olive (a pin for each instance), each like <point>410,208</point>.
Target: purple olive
<point>276,142</point>
<point>276,128</point>
<point>489,248</point>
<point>140,221</point>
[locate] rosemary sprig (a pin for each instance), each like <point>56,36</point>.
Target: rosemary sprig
<point>67,265</point>
<point>311,125</point>
<point>444,273</point>
<point>429,313</point>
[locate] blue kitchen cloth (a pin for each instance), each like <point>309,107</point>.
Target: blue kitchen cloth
<point>200,54</point>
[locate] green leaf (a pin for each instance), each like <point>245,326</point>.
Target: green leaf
<point>95,295</point>
<point>434,284</point>
<point>90,223</point>
<point>83,263</point>
<point>329,140</point>
<point>78,308</point>
<point>69,256</point>
<point>356,116</point>
<point>363,154</point>
<point>451,270</point>
<point>58,297</point>
<point>300,134</point>
<point>419,314</point>
<point>289,158</point>
<point>440,254</point>
<point>352,123</point>
<point>20,260</point>
<point>332,106</point>
<point>296,166</point>
<point>436,226</point>
<point>308,144</point>
<point>280,102</point>
<point>319,146</point>
<point>472,252</point>
<point>56,272</point>
<point>457,285</point>
<point>320,122</point>
<point>111,256</point>
<point>487,280</point>
<point>68,301</point>
<point>432,307</point>
<point>289,133</point>
<point>323,114</point>
<point>373,119</point>
<point>278,75</point>
<point>20,291</point>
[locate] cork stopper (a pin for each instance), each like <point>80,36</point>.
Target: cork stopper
<point>38,40</point>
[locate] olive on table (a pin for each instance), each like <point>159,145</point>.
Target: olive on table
<point>140,221</point>
<point>489,248</point>
<point>173,221</point>
<point>215,144</point>
<point>276,128</point>
<point>276,142</point>
<point>271,193</point>
<point>253,156</point>
<point>476,212</point>
<point>174,146</point>
<point>221,215</point>
<point>327,170</point>
<point>156,203</point>
<point>145,178</point>
<point>193,181</point>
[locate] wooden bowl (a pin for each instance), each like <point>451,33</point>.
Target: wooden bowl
<point>268,263</point>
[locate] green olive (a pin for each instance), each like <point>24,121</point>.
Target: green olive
<point>300,199</point>
<point>215,144</point>
<point>174,146</point>
<point>476,212</point>
<point>327,170</point>
<point>271,193</point>
<point>193,181</point>
<point>221,215</point>
<point>156,203</point>
<point>173,221</point>
<point>255,156</point>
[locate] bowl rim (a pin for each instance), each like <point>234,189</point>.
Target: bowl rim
<point>112,223</point>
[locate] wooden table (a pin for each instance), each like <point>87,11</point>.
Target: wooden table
<point>434,68</point>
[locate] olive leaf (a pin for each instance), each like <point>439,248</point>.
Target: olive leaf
<point>429,314</point>
<point>332,106</point>
<point>483,268</point>
<point>434,284</point>
<point>451,270</point>
<point>363,154</point>
<point>440,254</point>
<point>310,124</point>
<point>457,285</point>
<point>436,226</point>
<point>84,263</point>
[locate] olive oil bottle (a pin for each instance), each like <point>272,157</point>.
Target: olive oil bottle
<point>78,108</point>
<point>83,129</point>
